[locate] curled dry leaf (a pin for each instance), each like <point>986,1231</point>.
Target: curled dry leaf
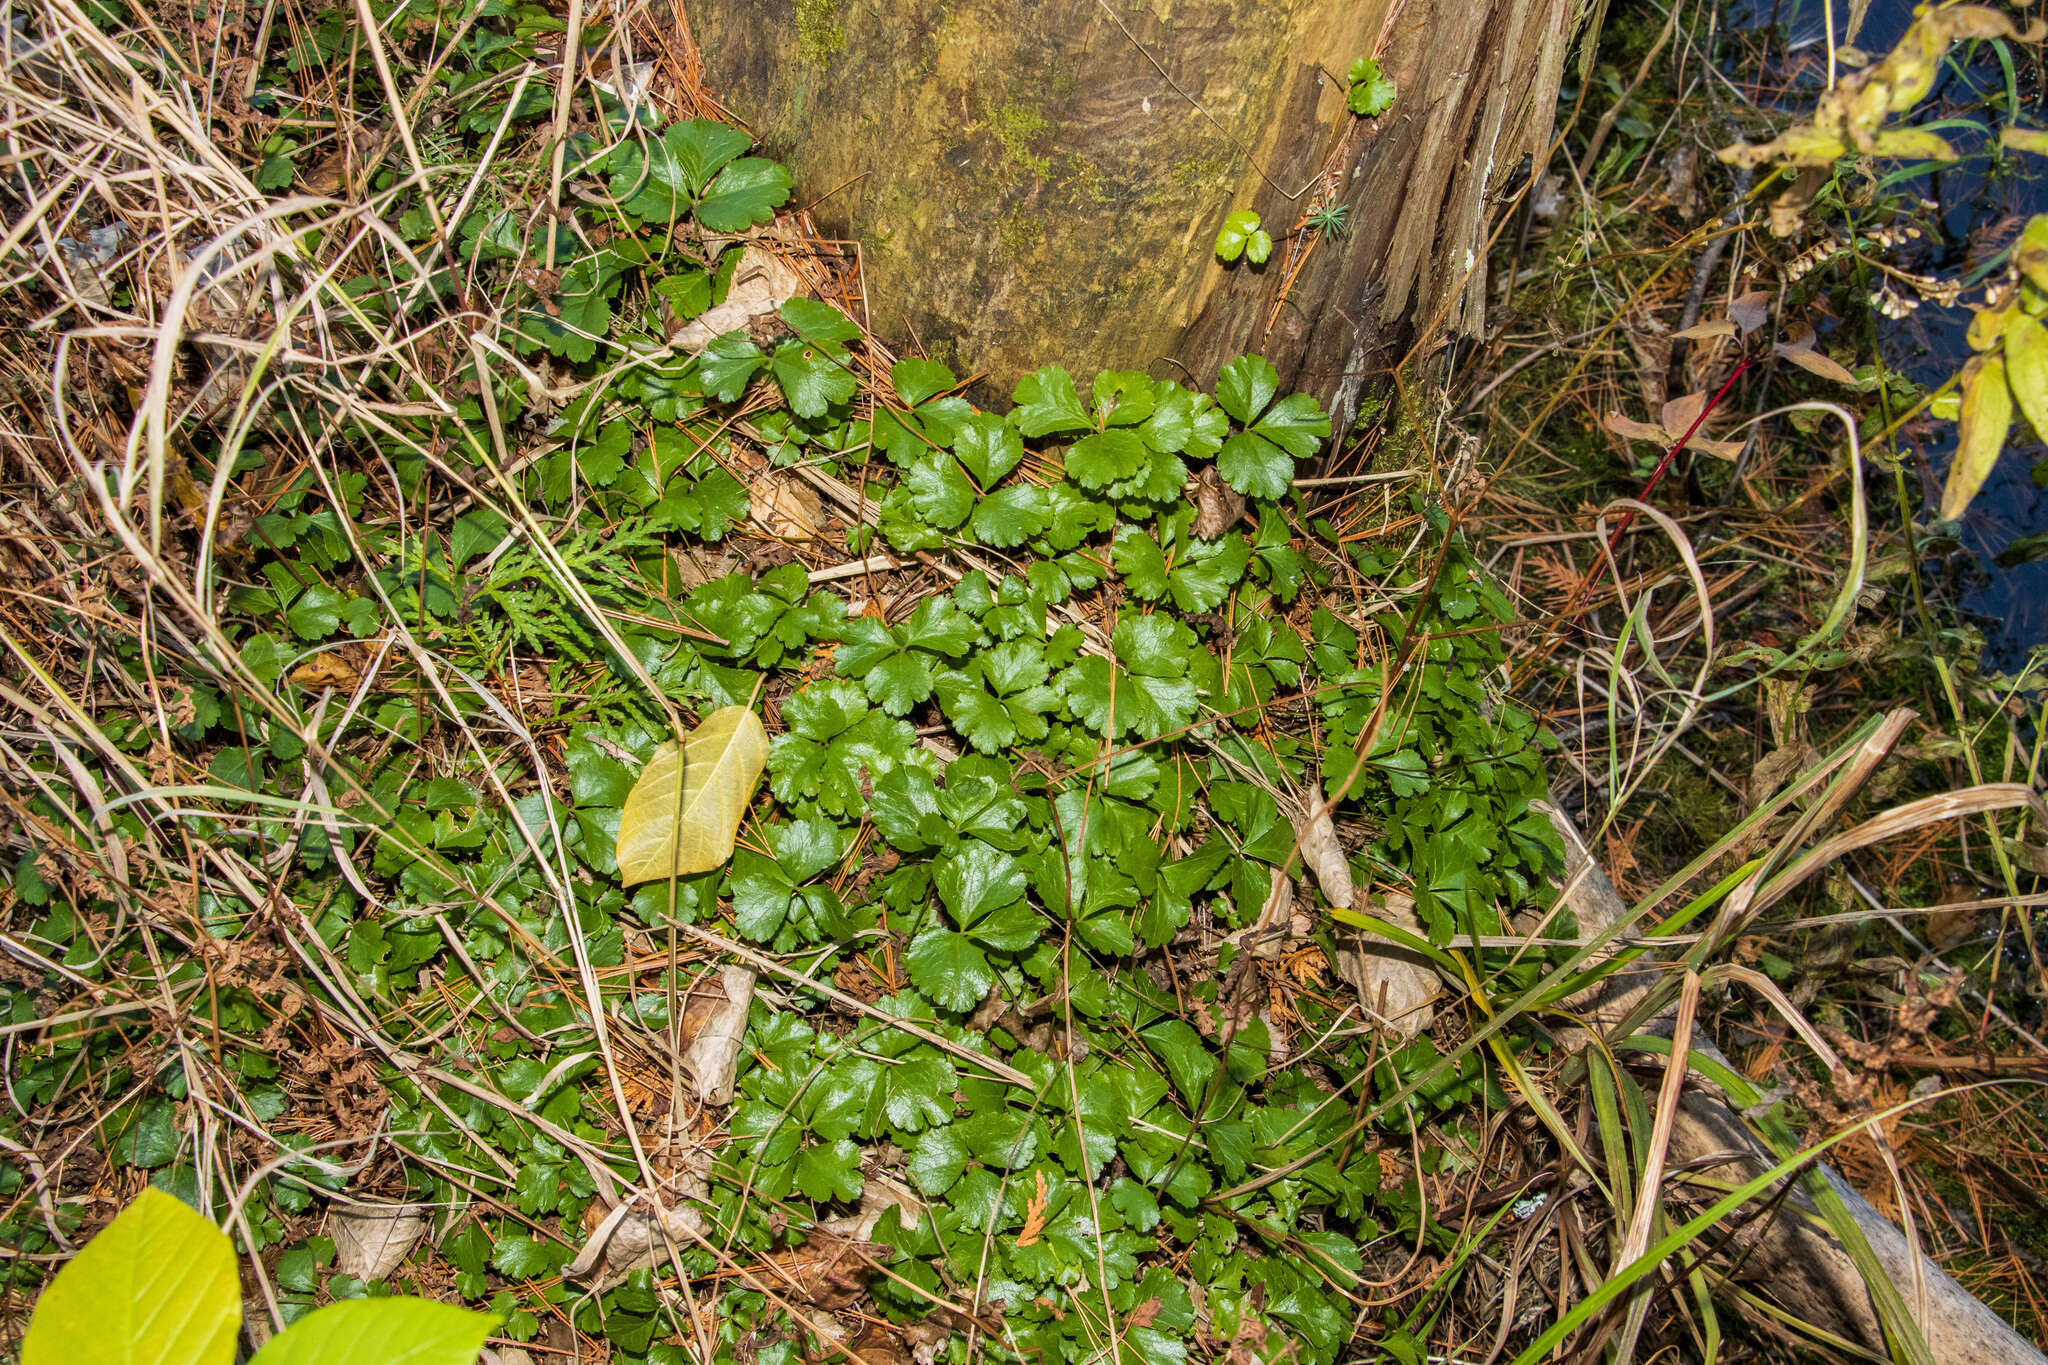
<point>879,1193</point>
<point>1396,985</point>
<point>1324,856</point>
<point>1217,505</point>
<point>1798,347</point>
<point>681,815</point>
<point>713,1054</point>
<point>1987,412</point>
<point>1678,416</point>
<point>1634,430</point>
<point>633,1235</point>
<point>371,1241</point>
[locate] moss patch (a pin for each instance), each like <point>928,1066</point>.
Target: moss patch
<point>1017,127</point>
<point>818,34</point>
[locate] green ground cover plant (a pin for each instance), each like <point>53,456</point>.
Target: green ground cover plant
<point>1028,855</point>
<point>432,475</point>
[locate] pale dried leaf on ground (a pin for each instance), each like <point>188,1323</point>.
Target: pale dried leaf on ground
<point>1396,985</point>
<point>371,1241</point>
<point>713,1055</point>
<point>880,1192</point>
<point>761,283</point>
<point>784,507</point>
<point>1325,856</point>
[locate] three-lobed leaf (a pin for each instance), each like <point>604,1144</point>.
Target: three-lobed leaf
<point>1371,93</point>
<point>1242,236</point>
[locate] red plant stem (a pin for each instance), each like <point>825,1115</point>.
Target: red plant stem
<point>1664,466</point>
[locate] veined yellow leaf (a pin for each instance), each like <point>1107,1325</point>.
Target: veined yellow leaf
<point>2026,368</point>
<point>681,815</point>
<point>1987,412</point>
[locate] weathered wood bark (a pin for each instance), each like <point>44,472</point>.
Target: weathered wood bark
<point>1033,182</point>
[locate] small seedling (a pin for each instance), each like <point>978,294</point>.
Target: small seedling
<point>1329,218</point>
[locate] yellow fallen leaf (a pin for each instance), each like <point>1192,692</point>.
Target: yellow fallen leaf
<point>1987,411</point>
<point>2026,368</point>
<point>681,815</point>
<point>2031,253</point>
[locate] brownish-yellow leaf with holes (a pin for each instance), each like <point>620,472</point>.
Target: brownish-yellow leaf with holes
<point>1987,326</point>
<point>681,815</point>
<point>2026,369</point>
<point>1987,412</point>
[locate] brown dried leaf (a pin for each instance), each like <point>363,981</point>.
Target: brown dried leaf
<point>879,1343</point>
<point>1720,450</point>
<point>1680,413</point>
<point>1705,331</point>
<point>879,1193</point>
<point>713,1055</point>
<point>1396,985</point>
<point>1634,430</point>
<point>1798,347</point>
<point>1751,311</point>
<point>1217,505</point>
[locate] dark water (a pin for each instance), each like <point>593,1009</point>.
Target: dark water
<point>1978,207</point>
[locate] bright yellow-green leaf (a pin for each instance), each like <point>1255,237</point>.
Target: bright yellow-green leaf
<point>2031,253</point>
<point>2024,139</point>
<point>2026,368</point>
<point>394,1331</point>
<point>681,814</point>
<point>1987,411</point>
<point>157,1286</point>
<point>1912,144</point>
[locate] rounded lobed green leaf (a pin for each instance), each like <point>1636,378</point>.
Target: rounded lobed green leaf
<point>1245,385</point>
<point>948,967</point>
<point>1107,456</point>
<point>746,194</point>
<point>1236,233</point>
<point>1371,93</point>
